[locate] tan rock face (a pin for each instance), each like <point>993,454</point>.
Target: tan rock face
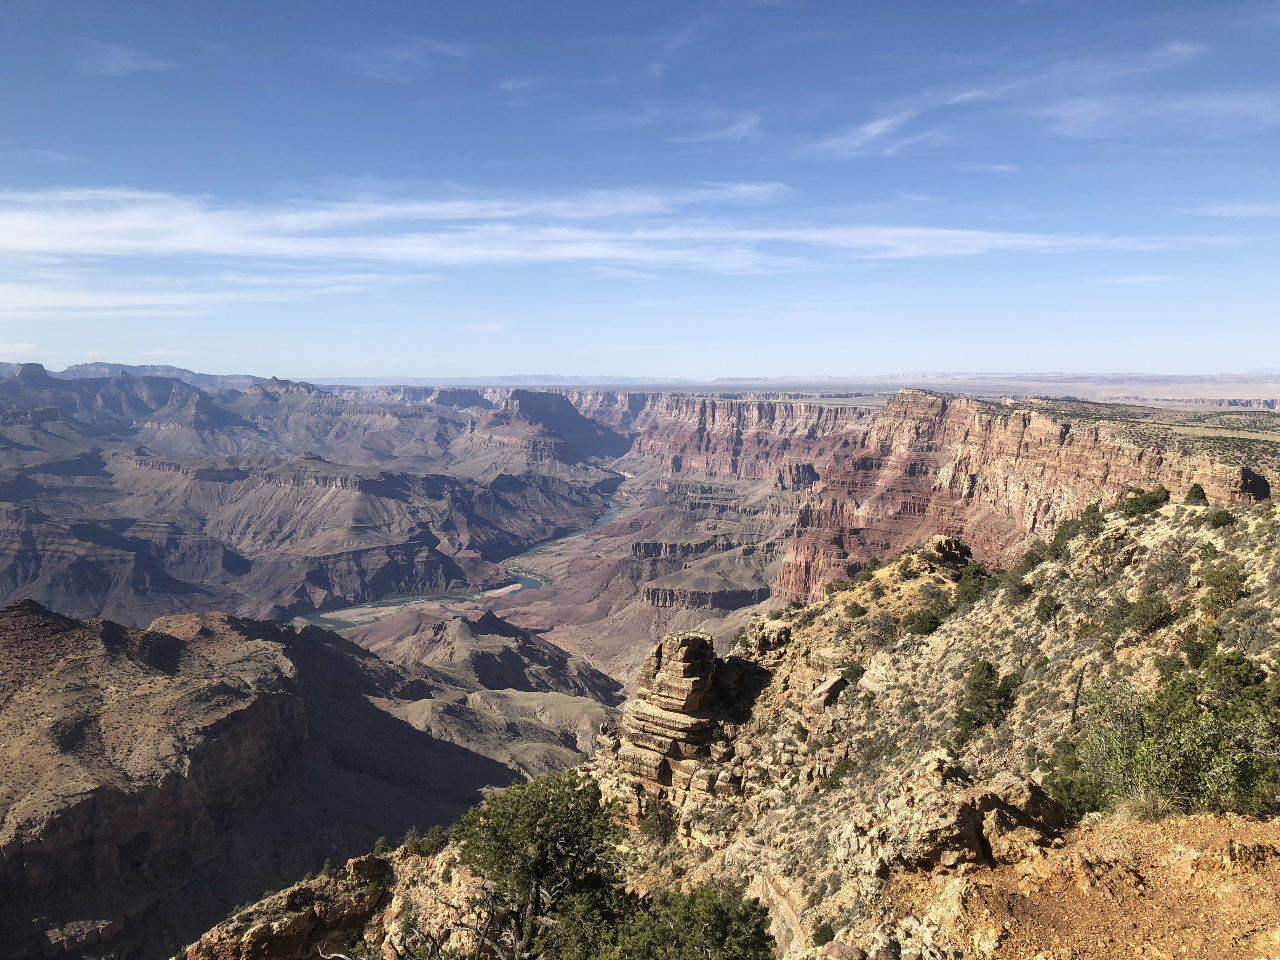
<point>664,724</point>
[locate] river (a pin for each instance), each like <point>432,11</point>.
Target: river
<point>525,579</point>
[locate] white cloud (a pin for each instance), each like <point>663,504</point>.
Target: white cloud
<point>118,251</point>
<point>11,348</point>
<point>404,60</point>
<point>1138,278</point>
<point>111,60</point>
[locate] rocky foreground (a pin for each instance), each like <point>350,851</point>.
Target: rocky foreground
<point>843,762</point>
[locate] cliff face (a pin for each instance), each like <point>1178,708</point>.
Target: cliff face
<point>997,478</point>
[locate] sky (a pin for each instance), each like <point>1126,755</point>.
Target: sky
<point>677,189</point>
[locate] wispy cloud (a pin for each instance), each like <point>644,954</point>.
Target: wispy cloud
<point>890,133</point>
<point>17,348</point>
<point>406,59</point>
<point>111,60</point>
<point>1206,114</point>
<point>1263,210</point>
<point>854,140</point>
<point>638,228</point>
<point>728,128</point>
<point>991,167</point>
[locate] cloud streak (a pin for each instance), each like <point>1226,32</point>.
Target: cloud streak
<point>304,249</point>
<point>406,59</point>
<point>111,60</point>
<point>890,132</point>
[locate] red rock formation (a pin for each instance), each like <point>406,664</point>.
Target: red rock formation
<point>933,464</point>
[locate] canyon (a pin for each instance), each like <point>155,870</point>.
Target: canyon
<point>152,529</point>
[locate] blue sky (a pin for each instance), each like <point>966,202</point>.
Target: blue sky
<point>332,188</point>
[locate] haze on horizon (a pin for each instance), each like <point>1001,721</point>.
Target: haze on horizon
<point>684,190</point>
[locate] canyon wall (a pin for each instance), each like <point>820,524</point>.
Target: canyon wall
<point>855,482</point>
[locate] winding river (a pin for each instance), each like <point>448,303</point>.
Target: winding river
<point>524,580</point>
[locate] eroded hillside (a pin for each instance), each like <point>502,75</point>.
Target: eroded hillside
<point>150,779</point>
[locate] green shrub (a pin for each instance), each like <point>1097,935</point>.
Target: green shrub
<point>1198,647</point>
<point>854,610</point>
<point>839,770</point>
<point>1220,518</point>
<point>867,571</point>
<point>1017,590</point>
<point>1149,612</point>
<point>659,822</point>
<point>1196,496</point>
<point>1204,740</point>
<point>837,586</point>
<point>822,934</point>
<point>1047,608</point>
<point>1092,520</point>
<point>1141,502</point>
<point>382,847</point>
<point>708,923</point>
<point>987,698</point>
<point>923,621</point>
<point>973,583</point>
<point>427,844</point>
<point>1225,585</point>
<point>852,672</point>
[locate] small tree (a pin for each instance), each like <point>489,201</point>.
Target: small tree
<point>1196,497</point>
<point>538,845</point>
<point>986,699</point>
<point>1047,608</point>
